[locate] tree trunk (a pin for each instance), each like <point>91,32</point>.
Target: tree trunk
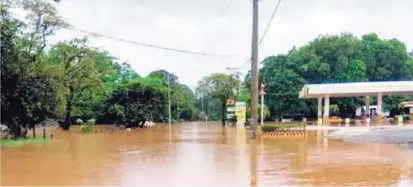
<point>67,122</point>
<point>15,130</point>
<point>34,131</point>
<point>223,112</point>
<point>18,131</point>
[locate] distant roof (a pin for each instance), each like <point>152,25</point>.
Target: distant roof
<point>356,89</point>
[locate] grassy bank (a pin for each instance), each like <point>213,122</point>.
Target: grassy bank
<point>269,127</point>
<point>21,141</point>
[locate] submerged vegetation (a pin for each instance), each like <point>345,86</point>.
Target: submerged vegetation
<point>282,126</point>
<point>86,127</point>
<point>72,80</point>
<point>21,141</point>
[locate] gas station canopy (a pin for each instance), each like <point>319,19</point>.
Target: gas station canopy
<point>356,89</point>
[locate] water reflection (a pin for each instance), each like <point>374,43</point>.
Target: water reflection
<point>388,135</point>
<point>196,154</point>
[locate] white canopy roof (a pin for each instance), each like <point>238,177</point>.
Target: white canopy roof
<point>356,89</point>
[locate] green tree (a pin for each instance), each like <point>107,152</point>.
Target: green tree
<point>332,59</point>
<point>386,59</point>
<point>282,85</point>
<point>90,104</point>
<point>165,76</point>
<point>135,102</point>
<point>221,87</point>
<point>76,65</point>
<point>182,97</point>
<point>28,91</point>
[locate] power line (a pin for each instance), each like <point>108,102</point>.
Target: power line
<point>269,23</point>
<point>265,32</point>
<point>245,63</point>
<point>149,45</point>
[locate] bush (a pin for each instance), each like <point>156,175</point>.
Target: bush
<point>91,121</point>
<point>269,128</point>
<point>281,126</point>
<point>86,128</point>
<point>80,122</point>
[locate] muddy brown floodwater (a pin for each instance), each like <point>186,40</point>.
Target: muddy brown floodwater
<point>198,154</point>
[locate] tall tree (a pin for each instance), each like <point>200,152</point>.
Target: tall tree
<point>76,64</point>
<point>29,94</point>
<point>332,59</point>
<point>221,87</point>
<point>182,97</point>
<point>163,75</point>
<point>135,102</point>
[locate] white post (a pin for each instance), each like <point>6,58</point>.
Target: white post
<point>320,111</point>
<point>379,113</point>
<point>206,121</point>
<point>367,104</point>
<point>379,104</point>
<point>347,121</point>
<point>262,109</point>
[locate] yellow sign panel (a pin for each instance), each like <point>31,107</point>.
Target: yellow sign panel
<point>230,102</point>
<point>241,115</point>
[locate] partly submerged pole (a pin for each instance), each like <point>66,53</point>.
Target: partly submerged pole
<point>254,68</point>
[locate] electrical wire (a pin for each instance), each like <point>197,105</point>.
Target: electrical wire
<point>245,63</point>
<point>149,45</point>
<point>266,30</point>
<point>269,23</point>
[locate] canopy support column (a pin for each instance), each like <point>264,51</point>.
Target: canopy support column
<point>320,111</point>
<point>367,104</point>
<point>379,108</point>
<point>326,109</point>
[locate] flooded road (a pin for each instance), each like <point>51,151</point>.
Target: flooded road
<point>199,154</point>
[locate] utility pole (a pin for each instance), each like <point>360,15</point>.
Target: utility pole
<point>254,68</point>
<point>169,100</point>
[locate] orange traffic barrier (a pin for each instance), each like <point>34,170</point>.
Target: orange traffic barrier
<point>285,134</point>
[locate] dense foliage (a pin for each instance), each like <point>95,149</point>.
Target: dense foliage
<point>282,126</point>
<point>27,90</point>
<point>218,87</point>
<point>333,59</point>
<point>72,80</point>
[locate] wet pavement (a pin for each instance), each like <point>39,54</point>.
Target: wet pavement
<point>196,154</point>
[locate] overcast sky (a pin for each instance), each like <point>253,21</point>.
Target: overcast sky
<point>224,27</point>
